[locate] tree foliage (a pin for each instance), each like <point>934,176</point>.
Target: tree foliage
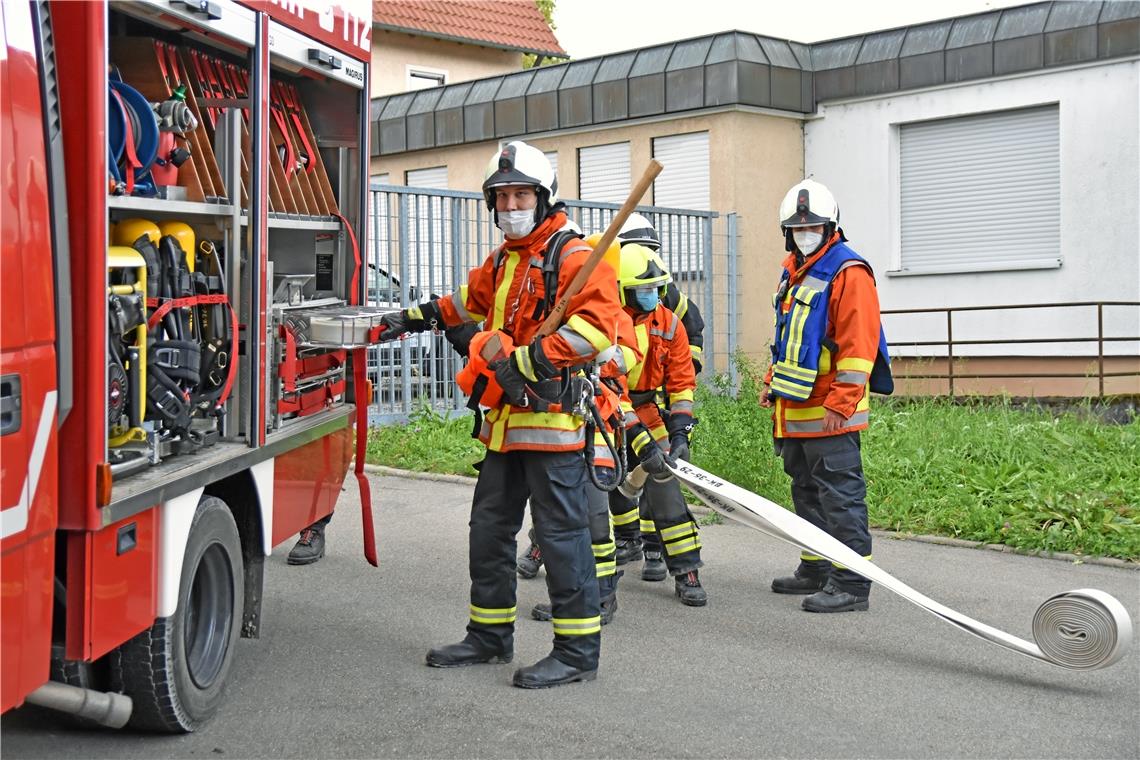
<point>530,60</point>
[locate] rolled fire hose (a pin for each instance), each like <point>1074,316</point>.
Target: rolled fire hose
<point>1085,629</point>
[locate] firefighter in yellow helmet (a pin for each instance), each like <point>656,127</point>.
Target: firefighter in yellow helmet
<point>668,531</point>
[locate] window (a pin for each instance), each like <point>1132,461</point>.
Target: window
<point>603,173</point>
<point>420,78</point>
<point>552,157</point>
<point>684,178</point>
<point>980,193</point>
<point>435,177</point>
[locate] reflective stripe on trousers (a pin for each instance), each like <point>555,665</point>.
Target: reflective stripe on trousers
<point>828,491</point>
<point>556,485</point>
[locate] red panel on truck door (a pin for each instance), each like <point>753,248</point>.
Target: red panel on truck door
<point>28,441</point>
<point>307,481</point>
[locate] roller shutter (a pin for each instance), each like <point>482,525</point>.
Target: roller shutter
<point>603,173</point>
<point>684,178</point>
<point>981,192</point>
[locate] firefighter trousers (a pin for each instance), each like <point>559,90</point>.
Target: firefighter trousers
<point>556,484</point>
<point>601,539</point>
<point>667,525</point>
<point>829,491</point>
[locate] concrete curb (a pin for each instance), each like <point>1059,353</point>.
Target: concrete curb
<point>379,469</point>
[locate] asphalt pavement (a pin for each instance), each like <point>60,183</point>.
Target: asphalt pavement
<point>339,673</point>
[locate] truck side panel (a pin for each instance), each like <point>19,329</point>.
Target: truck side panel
<point>307,481</point>
<point>81,48</point>
<point>28,445</point>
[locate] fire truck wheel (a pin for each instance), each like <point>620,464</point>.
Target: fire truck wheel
<point>176,671</point>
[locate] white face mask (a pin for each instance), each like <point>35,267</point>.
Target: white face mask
<point>806,241</point>
<point>516,224</point>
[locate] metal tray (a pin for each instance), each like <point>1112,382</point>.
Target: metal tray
<point>337,327</point>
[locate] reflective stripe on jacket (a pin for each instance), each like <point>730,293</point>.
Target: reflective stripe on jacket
<point>665,362</point>
<point>827,336</point>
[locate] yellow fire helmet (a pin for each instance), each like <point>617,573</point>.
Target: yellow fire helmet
<point>184,234</point>
<point>128,231</point>
<point>640,268</point>
<point>613,253</point>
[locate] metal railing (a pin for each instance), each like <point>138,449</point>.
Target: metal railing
<point>950,343</point>
<point>424,242</point>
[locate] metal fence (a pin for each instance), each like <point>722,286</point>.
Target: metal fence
<point>423,243</point>
<point>1085,320</point>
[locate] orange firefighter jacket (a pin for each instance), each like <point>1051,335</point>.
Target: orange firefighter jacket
<point>849,351</point>
<point>506,294</point>
<point>666,362</point>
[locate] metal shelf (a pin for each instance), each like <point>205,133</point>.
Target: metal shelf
<point>162,206</point>
<point>328,223</point>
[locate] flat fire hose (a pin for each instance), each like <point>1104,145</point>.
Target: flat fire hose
<point>1085,629</point>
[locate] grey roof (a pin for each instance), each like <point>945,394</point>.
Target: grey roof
<point>742,68</point>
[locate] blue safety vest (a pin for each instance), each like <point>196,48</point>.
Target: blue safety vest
<point>801,331</point>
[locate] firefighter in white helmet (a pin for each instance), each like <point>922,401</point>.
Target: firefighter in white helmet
<point>533,436</point>
<point>827,343</point>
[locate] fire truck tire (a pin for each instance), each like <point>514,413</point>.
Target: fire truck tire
<point>176,671</point>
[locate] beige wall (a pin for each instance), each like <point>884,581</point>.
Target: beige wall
<point>393,52</point>
<point>753,158</point>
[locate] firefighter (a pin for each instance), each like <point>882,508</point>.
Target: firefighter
<point>534,442</point>
<point>668,530</point>
<point>637,229</point>
<point>613,373</point>
<point>827,340</point>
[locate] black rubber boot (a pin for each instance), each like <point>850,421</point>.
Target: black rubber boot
<point>309,548</point>
<point>530,561</point>
<point>654,568</point>
<point>466,652</point>
<point>800,583</point>
<point>628,550</point>
<point>834,599</point>
<point>550,671</point>
<point>607,591</point>
<point>688,587</point>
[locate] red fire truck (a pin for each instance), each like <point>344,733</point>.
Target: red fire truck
<point>184,187</point>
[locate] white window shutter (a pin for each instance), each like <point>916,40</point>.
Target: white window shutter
<point>684,178</point>
<point>434,177</point>
<point>981,193</point>
<point>552,157</point>
<point>603,173</point>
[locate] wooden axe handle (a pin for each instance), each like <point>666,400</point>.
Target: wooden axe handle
<point>554,319</point>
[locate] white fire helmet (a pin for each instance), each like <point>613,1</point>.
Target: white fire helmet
<point>808,203</point>
<point>521,164</point>
<point>637,229</point>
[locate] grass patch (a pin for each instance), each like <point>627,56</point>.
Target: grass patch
<point>428,442</point>
<point>985,471</point>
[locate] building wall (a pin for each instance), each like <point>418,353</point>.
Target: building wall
<point>753,159</point>
<point>392,52</point>
<point>853,148</point>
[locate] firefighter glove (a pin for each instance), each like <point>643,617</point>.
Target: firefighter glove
<point>510,380</point>
<point>653,460</point>
<point>679,448</point>
<point>532,363</point>
<point>414,319</point>
<point>460,337</point>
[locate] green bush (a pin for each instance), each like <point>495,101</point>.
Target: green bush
<point>985,471</point>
